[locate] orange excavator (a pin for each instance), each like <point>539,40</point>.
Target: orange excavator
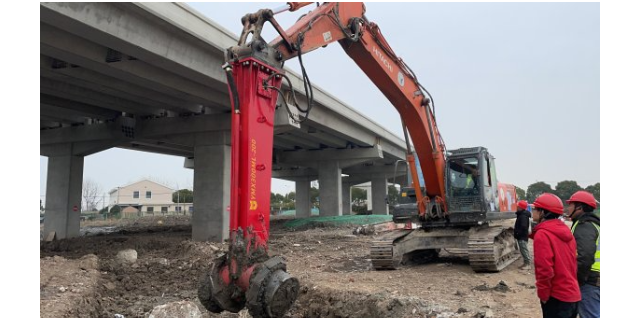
<point>454,207</point>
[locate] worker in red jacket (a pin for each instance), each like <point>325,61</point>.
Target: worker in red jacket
<point>554,259</point>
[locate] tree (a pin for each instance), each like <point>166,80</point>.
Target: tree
<point>276,198</point>
<point>564,189</point>
<point>392,195</point>
<point>522,195</point>
<point>114,212</point>
<point>315,196</point>
<point>90,195</point>
<point>536,189</point>
<point>358,195</point>
<point>41,206</point>
<point>595,190</point>
<point>182,196</point>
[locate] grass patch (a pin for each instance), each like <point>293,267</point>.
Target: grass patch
<point>336,221</point>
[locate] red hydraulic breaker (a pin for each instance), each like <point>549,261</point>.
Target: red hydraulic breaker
<point>246,276</point>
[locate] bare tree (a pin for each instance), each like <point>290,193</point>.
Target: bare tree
<point>91,192</point>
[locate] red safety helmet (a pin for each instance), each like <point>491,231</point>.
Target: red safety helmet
<point>522,204</point>
<point>584,197</point>
<point>549,202</point>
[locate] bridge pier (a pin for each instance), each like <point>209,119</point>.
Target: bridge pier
<point>303,197</point>
<point>64,196</point>
<point>330,180</point>
<point>346,197</point>
<point>379,193</point>
<point>65,168</point>
<point>211,192</point>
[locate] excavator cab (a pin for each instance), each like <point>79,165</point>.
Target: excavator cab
<point>471,184</point>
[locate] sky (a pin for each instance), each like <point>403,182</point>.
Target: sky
<point>521,79</point>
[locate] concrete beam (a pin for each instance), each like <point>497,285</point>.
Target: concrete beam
<point>49,123</point>
<point>298,141</point>
<point>353,180</point>
<point>60,114</point>
<point>77,148</point>
<point>346,157</point>
<point>140,99</point>
<point>157,149</point>
<point>169,126</point>
<point>366,169</point>
<point>293,174</point>
<point>121,129</point>
<point>342,121</point>
<point>317,135</point>
<point>81,109</point>
<point>282,145</point>
<point>91,97</point>
<point>173,49</point>
<point>64,195</point>
<point>96,81</point>
<point>191,139</point>
<point>197,64</point>
<point>76,50</point>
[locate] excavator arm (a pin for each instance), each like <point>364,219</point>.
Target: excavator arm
<point>363,41</point>
<point>246,276</point>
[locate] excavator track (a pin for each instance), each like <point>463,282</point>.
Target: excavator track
<point>491,249</point>
<point>382,251</point>
<point>382,255</point>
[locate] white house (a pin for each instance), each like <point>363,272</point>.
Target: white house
<point>148,198</point>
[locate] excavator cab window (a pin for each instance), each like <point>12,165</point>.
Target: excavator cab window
<point>464,176</point>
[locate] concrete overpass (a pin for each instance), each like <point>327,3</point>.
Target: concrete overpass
<point>147,76</point>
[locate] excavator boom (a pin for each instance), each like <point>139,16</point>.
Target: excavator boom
<point>363,41</point>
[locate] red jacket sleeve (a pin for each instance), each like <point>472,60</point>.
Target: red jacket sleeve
<point>543,261</point>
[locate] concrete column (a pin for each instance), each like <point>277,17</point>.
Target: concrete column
<point>330,180</point>
<point>64,194</point>
<point>211,193</point>
<point>303,197</point>
<point>346,198</point>
<point>379,195</point>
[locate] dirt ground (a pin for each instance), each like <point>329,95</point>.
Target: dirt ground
<point>82,277</point>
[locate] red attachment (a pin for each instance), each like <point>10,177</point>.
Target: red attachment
<point>251,150</point>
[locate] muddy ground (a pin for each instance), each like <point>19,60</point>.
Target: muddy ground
<point>82,278</point>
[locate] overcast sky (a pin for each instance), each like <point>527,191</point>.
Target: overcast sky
<point>522,79</point>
